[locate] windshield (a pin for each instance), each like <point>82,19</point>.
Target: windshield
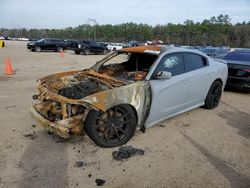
<point>41,40</point>
<point>238,56</point>
<point>129,66</point>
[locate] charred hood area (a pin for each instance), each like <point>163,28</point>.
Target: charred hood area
<point>77,85</point>
<point>81,90</point>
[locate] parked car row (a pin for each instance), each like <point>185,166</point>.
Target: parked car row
<point>86,47</point>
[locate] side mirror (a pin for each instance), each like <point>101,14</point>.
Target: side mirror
<point>162,75</point>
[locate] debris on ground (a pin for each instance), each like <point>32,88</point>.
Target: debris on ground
<point>99,182</point>
<point>125,152</point>
<point>185,125</point>
<point>161,125</point>
<point>79,164</point>
<point>89,175</point>
<point>33,125</point>
<point>32,135</point>
<point>61,140</point>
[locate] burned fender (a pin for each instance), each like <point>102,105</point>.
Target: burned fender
<point>138,95</point>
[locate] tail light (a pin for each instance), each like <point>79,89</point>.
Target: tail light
<point>246,70</point>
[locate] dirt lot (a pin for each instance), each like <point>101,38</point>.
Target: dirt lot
<point>201,148</point>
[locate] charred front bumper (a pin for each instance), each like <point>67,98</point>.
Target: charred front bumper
<point>59,117</point>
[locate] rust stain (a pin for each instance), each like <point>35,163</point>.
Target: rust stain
<point>140,49</point>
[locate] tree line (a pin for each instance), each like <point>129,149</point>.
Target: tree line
<point>216,31</point>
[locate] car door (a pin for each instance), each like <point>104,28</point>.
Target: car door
<point>49,44</point>
<point>54,44</point>
<point>92,46</point>
<point>169,96</point>
<point>44,44</point>
<point>198,77</point>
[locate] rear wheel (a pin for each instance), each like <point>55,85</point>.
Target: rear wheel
<point>38,49</point>
<point>77,52</point>
<point>86,51</point>
<point>59,49</point>
<point>214,95</point>
<point>112,128</point>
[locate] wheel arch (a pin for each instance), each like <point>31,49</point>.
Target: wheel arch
<point>218,79</point>
<point>135,95</point>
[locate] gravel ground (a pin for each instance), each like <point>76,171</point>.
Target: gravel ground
<point>201,148</point>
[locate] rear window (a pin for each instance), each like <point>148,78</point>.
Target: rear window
<point>238,56</point>
<point>194,61</point>
<point>221,51</point>
<point>208,51</point>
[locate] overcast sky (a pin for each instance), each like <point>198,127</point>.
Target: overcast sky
<point>71,13</point>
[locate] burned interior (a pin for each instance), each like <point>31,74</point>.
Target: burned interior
<point>135,68</point>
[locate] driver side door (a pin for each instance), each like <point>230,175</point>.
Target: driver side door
<point>169,96</point>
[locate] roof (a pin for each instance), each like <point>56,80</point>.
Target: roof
<point>143,49</point>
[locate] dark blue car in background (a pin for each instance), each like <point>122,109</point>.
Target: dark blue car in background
<point>238,69</point>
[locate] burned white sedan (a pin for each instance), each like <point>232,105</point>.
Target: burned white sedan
<point>132,88</point>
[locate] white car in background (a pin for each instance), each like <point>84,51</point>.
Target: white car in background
<point>115,46</point>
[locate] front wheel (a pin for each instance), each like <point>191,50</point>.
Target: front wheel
<point>112,128</point>
<point>214,95</point>
<point>38,49</point>
<point>105,52</point>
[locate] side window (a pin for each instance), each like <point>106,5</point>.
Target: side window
<point>172,63</point>
<point>194,61</point>
<point>221,52</point>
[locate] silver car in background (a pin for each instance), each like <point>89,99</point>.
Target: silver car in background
<point>122,93</point>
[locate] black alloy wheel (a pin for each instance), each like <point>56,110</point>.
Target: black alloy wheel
<point>214,95</point>
<point>112,128</point>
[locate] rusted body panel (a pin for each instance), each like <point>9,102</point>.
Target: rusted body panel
<point>141,49</point>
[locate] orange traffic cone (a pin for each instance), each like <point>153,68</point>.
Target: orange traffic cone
<point>8,67</point>
<point>62,53</point>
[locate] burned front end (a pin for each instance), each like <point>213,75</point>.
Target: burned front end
<point>65,99</point>
<point>61,108</point>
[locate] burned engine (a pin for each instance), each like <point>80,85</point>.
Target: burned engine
<point>81,90</point>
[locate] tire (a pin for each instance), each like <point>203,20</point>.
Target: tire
<point>37,49</point>
<point>77,52</point>
<point>86,51</point>
<point>114,49</point>
<point>112,128</point>
<point>59,49</point>
<point>214,95</point>
<point>105,52</point>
